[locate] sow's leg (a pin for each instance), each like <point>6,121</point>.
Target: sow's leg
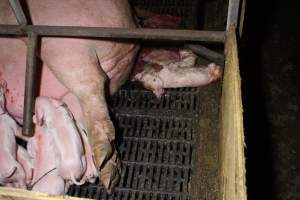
<point>78,68</point>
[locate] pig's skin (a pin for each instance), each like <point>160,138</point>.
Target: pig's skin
<point>43,152</point>
<point>57,120</point>
<point>91,173</point>
<point>172,76</point>
<point>51,183</point>
<point>26,162</point>
<point>11,172</point>
<point>81,65</point>
<point>172,68</point>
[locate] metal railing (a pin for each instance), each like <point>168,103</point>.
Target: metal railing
<point>35,32</point>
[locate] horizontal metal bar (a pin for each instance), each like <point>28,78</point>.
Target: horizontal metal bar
<point>18,11</point>
<point>115,33</point>
<point>30,83</point>
<point>207,53</point>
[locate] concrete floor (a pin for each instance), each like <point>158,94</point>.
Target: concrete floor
<point>270,68</point>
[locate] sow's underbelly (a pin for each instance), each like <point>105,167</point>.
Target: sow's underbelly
<point>15,79</point>
<point>12,70</point>
<point>13,67</point>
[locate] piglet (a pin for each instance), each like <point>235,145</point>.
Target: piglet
<point>57,120</point>
<point>91,172</point>
<point>26,162</point>
<point>174,76</point>
<point>42,149</point>
<point>51,183</point>
<point>11,172</point>
<point>162,68</point>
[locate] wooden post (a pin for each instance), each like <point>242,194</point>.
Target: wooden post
<point>232,174</point>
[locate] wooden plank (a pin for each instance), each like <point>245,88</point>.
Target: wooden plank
<point>232,173</point>
<point>20,194</point>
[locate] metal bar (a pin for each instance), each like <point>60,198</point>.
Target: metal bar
<point>242,17</point>
<point>116,33</point>
<point>233,13</point>
<point>207,53</point>
<point>30,80</point>
<point>18,11</point>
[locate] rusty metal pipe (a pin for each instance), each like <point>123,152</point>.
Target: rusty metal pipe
<point>207,53</point>
<point>116,33</point>
<point>30,80</point>
<point>18,11</point>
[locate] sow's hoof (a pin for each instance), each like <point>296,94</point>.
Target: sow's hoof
<point>110,173</point>
<point>105,154</point>
<point>109,168</point>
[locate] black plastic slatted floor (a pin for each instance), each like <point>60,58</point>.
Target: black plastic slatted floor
<point>155,145</point>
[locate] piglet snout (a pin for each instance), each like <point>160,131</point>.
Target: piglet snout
<point>215,71</point>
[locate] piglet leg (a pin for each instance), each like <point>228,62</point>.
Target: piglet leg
<point>91,172</point>
<point>189,77</point>
<point>26,162</point>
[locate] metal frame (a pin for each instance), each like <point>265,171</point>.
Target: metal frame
<point>18,11</point>
<point>34,32</point>
<point>233,13</point>
<point>115,33</point>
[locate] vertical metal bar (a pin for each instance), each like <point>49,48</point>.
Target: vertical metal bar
<point>30,80</point>
<point>242,17</point>
<point>233,13</point>
<point>18,11</point>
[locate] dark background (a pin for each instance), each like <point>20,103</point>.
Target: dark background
<point>270,62</point>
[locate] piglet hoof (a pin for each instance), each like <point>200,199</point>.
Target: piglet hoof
<point>110,173</point>
<point>158,92</point>
<point>215,71</point>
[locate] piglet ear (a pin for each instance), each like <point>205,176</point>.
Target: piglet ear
<point>56,102</point>
<point>38,118</point>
